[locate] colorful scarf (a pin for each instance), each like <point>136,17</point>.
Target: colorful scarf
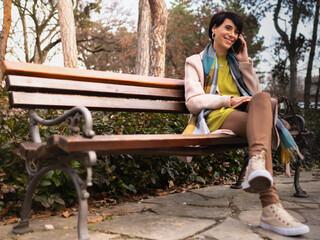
<point>198,124</point>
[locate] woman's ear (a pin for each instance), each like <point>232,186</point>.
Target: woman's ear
<point>213,32</point>
<point>213,28</point>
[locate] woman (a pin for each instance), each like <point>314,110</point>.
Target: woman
<point>215,81</point>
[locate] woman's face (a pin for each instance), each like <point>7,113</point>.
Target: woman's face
<point>225,36</point>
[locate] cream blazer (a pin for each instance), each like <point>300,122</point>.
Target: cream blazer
<point>197,99</point>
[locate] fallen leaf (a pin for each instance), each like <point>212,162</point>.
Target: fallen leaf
<point>65,214</point>
<point>12,220</point>
<point>171,184</point>
<point>95,220</point>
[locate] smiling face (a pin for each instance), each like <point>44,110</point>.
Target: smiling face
<point>225,36</point>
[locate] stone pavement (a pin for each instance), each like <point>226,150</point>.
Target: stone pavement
<point>215,212</point>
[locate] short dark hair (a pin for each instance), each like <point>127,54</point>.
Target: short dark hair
<point>219,17</point>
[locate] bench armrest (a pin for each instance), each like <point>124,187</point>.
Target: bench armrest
<point>297,121</point>
<point>74,116</point>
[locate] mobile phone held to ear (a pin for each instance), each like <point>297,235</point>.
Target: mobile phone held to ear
<point>236,46</point>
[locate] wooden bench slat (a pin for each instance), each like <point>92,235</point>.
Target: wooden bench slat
<point>152,141</point>
<point>44,150</point>
<point>62,101</point>
<point>27,149</point>
<point>39,70</point>
<point>22,83</point>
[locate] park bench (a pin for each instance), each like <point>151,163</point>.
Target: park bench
<point>35,86</point>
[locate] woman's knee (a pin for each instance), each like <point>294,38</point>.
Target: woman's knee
<point>261,100</point>
<point>263,95</point>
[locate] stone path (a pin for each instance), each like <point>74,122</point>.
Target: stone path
<point>216,212</point>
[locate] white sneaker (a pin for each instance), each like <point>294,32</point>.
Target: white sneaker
<point>275,218</point>
<point>257,178</point>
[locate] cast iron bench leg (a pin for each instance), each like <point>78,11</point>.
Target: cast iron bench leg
<point>299,191</point>
<point>80,186</point>
<point>238,185</point>
<point>33,180</point>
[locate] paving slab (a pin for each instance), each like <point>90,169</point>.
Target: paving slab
<point>247,201</point>
<point>220,191</point>
<point>152,226</point>
<point>189,198</point>
<point>314,233</point>
<point>312,215</point>
<point>310,187</point>
<point>123,209</point>
<point>288,196</point>
<point>285,187</point>
<point>292,205</point>
<point>251,217</point>
<point>305,176</point>
<point>177,198</point>
<point>61,234</point>
<point>231,229</point>
<point>193,211</point>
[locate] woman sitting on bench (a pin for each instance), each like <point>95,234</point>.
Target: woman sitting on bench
<point>219,79</point>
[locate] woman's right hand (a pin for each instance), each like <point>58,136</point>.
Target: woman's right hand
<point>235,100</point>
<point>242,56</point>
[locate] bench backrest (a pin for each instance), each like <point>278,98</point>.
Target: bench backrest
<point>40,86</point>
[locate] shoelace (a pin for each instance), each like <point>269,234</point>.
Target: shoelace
<point>282,215</point>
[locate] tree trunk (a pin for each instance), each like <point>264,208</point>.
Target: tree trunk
<point>68,33</point>
<point>159,17</point>
<point>4,35</point>
<point>290,44</point>
<point>307,82</point>
<point>317,92</point>
<point>22,14</point>
<point>293,76</point>
<point>142,57</point>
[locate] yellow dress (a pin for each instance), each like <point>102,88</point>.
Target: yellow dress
<point>226,86</point>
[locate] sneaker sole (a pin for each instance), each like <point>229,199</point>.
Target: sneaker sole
<point>286,231</point>
<point>258,181</point>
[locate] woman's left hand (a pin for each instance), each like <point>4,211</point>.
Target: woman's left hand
<point>242,56</point>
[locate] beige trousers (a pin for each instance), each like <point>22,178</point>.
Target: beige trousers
<point>256,125</point>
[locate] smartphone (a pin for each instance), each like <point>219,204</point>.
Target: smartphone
<point>236,46</point>
<point>242,104</point>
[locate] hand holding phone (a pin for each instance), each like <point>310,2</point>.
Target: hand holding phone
<point>237,45</point>
<point>240,102</point>
<point>240,49</point>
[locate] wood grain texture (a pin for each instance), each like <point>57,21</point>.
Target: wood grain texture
<point>39,70</point>
<point>152,141</point>
<point>62,101</point>
<point>37,84</point>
